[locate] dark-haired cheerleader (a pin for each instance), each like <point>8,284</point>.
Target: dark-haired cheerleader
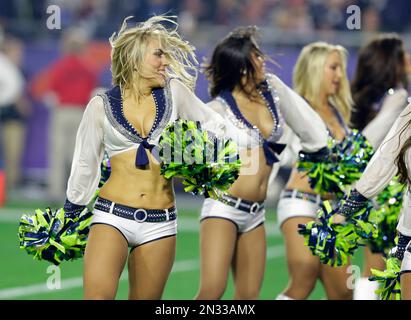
<point>391,157</point>
<point>255,105</point>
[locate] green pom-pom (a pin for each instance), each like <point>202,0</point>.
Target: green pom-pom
<point>335,243</point>
<point>52,236</point>
<point>344,165</point>
<point>354,153</point>
<point>389,280</point>
<point>207,165</point>
<point>388,208</point>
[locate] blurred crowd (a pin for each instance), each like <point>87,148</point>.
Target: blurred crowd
<point>100,17</point>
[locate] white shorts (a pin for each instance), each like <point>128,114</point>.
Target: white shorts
<point>136,233</point>
<point>243,221</point>
<point>297,204</point>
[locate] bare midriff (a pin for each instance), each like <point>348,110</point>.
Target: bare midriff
<point>136,187</point>
<point>254,174</point>
<point>299,180</point>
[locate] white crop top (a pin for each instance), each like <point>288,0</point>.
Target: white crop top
<point>104,128</point>
<point>288,108</point>
<point>382,168</point>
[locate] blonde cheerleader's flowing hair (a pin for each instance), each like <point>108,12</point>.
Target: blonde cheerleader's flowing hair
<point>308,76</point>
<point>129,46</point>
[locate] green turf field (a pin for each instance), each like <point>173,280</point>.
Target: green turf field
<point>23,278</point>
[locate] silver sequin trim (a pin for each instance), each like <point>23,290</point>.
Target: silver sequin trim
<point>167,113</point>
<point>254,132</point>
<point>114,123</point>
<point>158,128</point>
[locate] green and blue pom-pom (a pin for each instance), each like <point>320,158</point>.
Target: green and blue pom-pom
<point>354,153</point>
<point>389,280</point>
<point>343,166</point>
<point>207,165</point>
<point>334,243</point>
<point>52,236</point>
<point>321,169</point>
<point>389,203</point>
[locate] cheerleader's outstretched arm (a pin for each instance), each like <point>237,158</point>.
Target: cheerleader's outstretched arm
<point>88,154</point>
<point>300,117</point>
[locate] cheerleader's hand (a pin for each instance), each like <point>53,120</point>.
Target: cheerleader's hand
<point>349,206</point>
<point>72,210</point>
<point>338,219</point>
<point>404,242</point>
<point>352,204</point>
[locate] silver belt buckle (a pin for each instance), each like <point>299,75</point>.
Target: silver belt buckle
<point>255,207</point>
<point>145,215</point>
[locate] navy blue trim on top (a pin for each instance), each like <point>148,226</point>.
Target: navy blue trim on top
<point>271,149</point>
<point>228,97</point>
<point>271,103</point>
<point>116,105</point>
<point>340,119</point>
<point>161,105</point>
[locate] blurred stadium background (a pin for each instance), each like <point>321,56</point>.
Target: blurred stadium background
<point>25,38</point>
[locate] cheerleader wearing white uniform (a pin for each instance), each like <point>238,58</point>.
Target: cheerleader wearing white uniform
<point>379,92</point>
<point>255,105</point>
<point>378,173</point>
